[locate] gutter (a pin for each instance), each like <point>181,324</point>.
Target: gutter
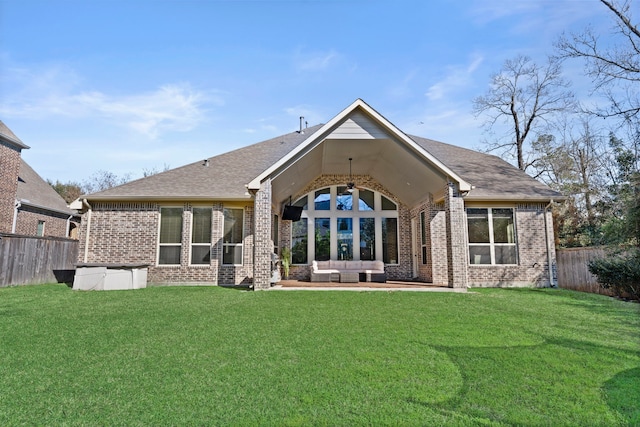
<point>546,238</point>
<point>86,241</point>
<point>45,208</point>
<point>153,198</point>
<point>18,204</point>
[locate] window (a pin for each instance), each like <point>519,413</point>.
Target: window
<point>345,239</point>
<point>322,239</point>
<point>365,202</point>
<point>390,240</point>
<point>344,199</point>
<point>299,241</point>
<point>322,201</point>
<point>367,239</point>
<point>423,236</point>
<point>201,236</point>
<point>233,234</point>
<point>275,236</point>
<point>492,236</point>
<point>340,224</point>
<point>388,205</point>
<point>40,230</point>
<point>170,236</point>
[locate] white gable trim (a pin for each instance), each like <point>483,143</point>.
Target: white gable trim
<point>392,129</point>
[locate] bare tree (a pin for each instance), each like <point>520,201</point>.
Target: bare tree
<point>613,68</point>
<point>103,180</point>
<point>525,97</point>
<point>575,163</point>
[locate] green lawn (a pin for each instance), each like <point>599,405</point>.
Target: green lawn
<point>215,356</point>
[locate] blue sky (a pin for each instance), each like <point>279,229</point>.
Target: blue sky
<point>128,85</point>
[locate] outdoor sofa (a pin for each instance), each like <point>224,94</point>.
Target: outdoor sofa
<point>335,270</point>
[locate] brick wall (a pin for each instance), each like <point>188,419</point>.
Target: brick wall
<point>533,265</point>
<point>263,244</point>
<point>9,170</point>
<point>456,238</point>
<point>128,233</point>
<point>439,252</point>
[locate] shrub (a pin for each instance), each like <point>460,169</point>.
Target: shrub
<point>619,272</point>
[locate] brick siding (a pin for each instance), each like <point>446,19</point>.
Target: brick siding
<point>533,261</point>
<point>128,233</point>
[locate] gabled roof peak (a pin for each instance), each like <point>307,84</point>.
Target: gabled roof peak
<point>381,121</point>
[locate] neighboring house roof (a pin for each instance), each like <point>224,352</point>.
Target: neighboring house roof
<point>9,137</point>
<point>35,191</point>
<point>229,176</point>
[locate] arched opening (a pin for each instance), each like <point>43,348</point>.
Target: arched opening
<point>341,223</point>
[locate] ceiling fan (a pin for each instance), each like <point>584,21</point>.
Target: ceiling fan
<point>351,185</point>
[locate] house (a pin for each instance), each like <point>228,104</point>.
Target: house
<point>28,205</point>
<point>364,190</point>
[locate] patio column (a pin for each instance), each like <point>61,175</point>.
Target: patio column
<point>456,238</point>
<point>262,244</point>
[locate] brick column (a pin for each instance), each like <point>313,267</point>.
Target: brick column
<point>9,170</point>
<point>456,238</point>
<point>263,246</point>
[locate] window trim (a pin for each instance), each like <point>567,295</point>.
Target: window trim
<point>492,245</point>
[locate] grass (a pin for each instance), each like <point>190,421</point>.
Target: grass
<point>214,356</point>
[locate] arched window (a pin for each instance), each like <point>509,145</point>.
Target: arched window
<point>345,224</point>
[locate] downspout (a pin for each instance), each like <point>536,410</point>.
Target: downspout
<point>68,225</point>
<point>546,237</point>
<point>86,241</point>
<point>15,217</point>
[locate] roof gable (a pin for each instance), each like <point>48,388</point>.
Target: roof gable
<point>355,122</point>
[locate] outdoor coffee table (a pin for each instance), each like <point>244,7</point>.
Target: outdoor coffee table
<point>349,277</point>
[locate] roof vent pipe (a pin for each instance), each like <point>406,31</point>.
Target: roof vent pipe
<point>301,122</point>
<point>206,162</point>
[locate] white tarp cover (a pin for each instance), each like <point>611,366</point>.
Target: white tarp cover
<point>109,277</point>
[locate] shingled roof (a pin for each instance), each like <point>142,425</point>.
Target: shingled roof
<point>225,176</point>
<point>491,177</point>
<point>35,191</point>
<point>222,177</point>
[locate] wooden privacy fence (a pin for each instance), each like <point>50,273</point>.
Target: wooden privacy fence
<point>26,260</point>
<point>573,272</point>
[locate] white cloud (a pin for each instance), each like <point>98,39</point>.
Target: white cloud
<point>457,78</point>
<point>315,61</point>
<point>55,92</point>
